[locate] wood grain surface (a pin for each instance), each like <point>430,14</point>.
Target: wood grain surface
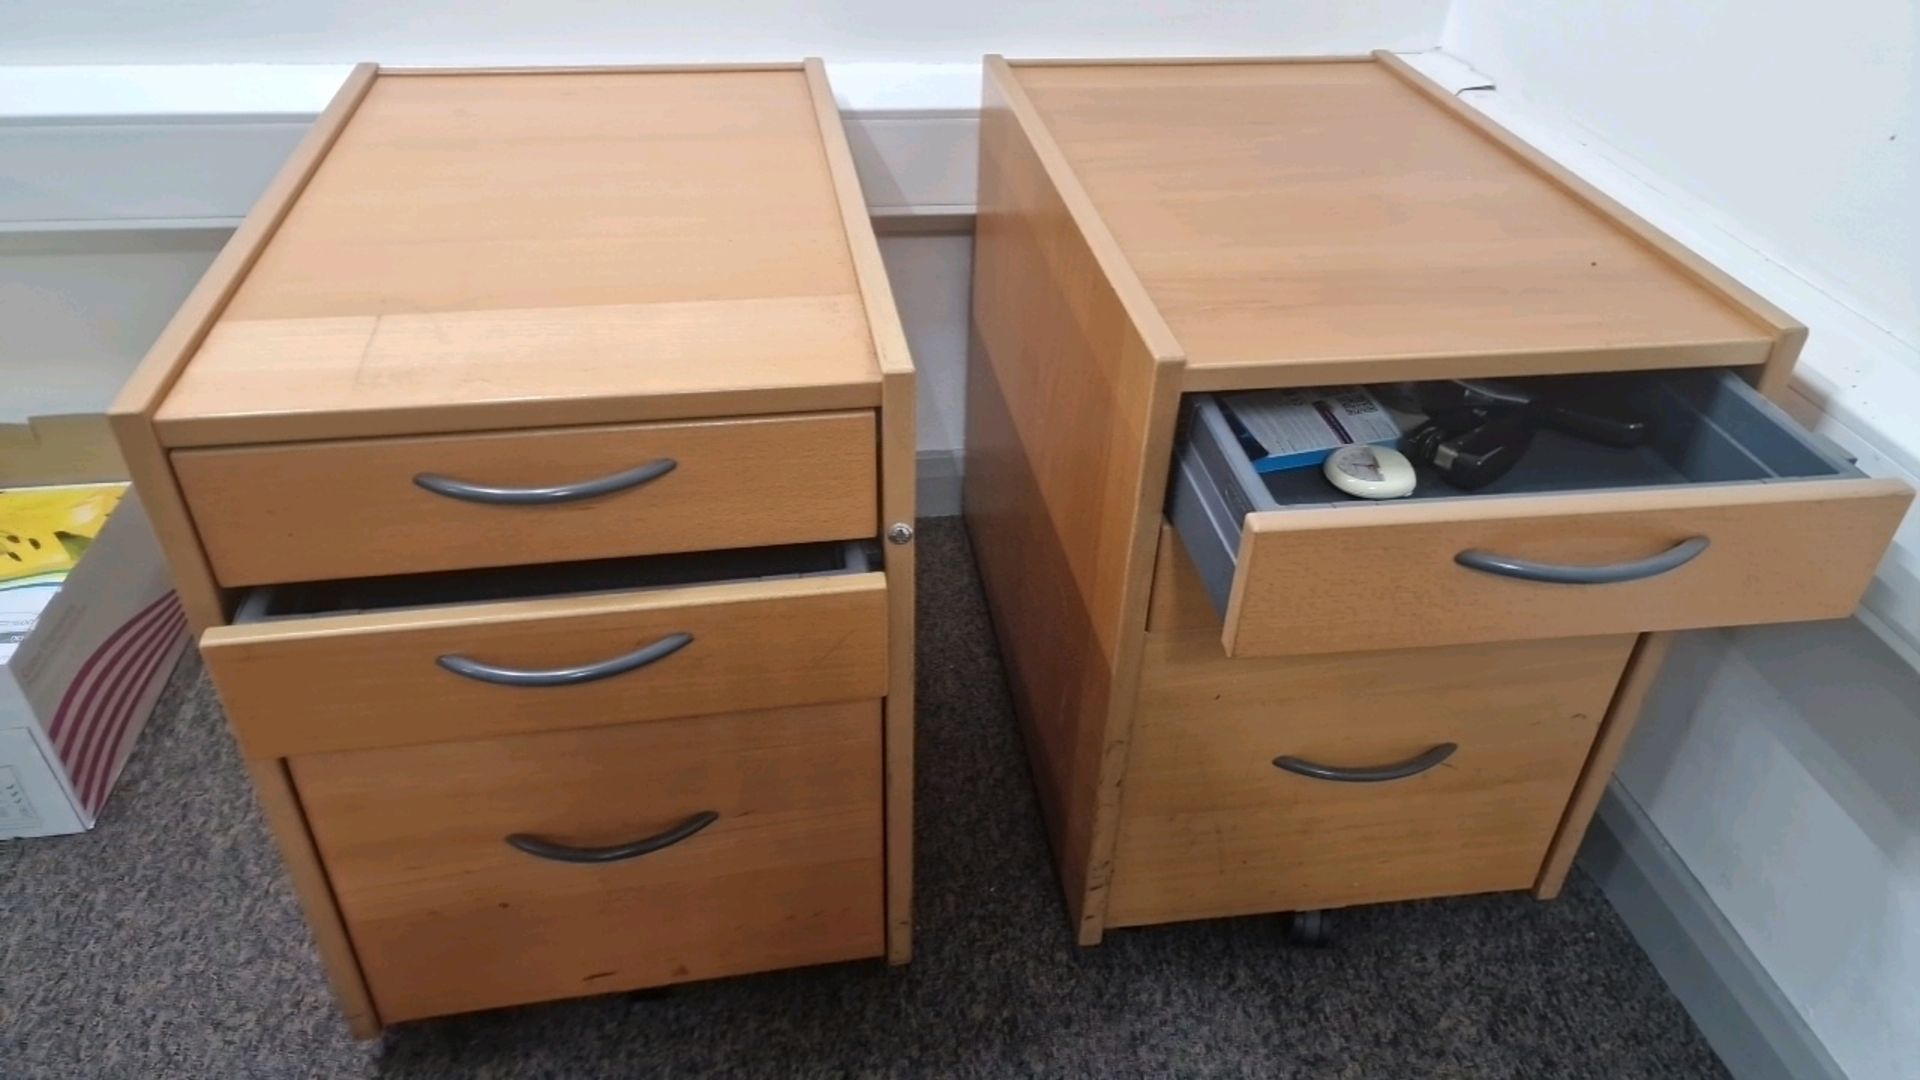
<point>449,918</point>
<point>1071,395</point>
<point>350,508</point>
<point>1210,827</point>
<point>342,682</point>
<point>1779,552</point>
<point>1306,222</point>
<point>485,251</point>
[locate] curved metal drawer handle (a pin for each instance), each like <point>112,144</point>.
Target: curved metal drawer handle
<point>543,496</point>
<point>1673,558</point>
<point>547,849</point>
<point>1369,774</point>
<point>470,668</point>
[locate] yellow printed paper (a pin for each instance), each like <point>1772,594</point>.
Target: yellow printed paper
<point>46,530</point>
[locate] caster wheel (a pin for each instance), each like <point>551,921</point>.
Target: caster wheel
<point>1310,928</point>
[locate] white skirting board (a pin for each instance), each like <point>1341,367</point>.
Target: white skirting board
<point>1736,1005</point>
<point>939,479</point>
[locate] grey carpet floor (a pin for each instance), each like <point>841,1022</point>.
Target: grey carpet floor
<point>166,943</point>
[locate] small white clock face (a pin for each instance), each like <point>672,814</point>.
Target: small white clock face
<point>1370,472</point>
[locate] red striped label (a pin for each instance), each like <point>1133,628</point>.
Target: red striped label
<point>90,780</point>
<point>75,701</point>
<point>99,705</point>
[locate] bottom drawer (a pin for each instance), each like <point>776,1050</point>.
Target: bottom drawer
<point>484,873</point>
<point>1268,785</point>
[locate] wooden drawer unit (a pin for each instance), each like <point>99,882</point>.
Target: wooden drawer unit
<point>1156,235</point>
<point>365,507</point>
<point>489,872</point>
<point>1731,515</point>
<point>1276,785</point>
<point>538,458</point>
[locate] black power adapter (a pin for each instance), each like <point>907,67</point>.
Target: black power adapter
<point>1478,429</point>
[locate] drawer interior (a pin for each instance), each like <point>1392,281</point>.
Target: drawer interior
<point>1707,427</point>
<point>634,574</point>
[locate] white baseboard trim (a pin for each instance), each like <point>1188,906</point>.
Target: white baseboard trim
<point>1737,1006</point>
<point>939,479</point>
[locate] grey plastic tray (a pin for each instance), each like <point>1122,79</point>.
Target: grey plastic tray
<point>1710,427</point>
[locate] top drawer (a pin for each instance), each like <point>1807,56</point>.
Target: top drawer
<point>1730,515</point>
<point>371,507</point>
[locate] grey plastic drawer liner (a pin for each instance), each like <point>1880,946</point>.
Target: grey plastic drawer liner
<point>1710,428</point>
<point>635,574</point>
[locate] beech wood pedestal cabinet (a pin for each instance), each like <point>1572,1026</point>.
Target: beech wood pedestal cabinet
<point>536,465</point>
<point>1247,694</point>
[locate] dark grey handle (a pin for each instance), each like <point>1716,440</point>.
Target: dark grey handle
<point>542,496</point>
<point>1368,774</point>
<point>547,849</point>
<point>1673,558</point>
<point>585,673</point>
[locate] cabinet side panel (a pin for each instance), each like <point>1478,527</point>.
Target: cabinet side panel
<point>281,807</point>
<point>1070,420</point>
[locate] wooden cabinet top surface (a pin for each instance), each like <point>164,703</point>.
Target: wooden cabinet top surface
<point>481,250</point>
<point>1292,221</point>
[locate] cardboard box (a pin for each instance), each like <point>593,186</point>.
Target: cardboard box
<point>80,685</point>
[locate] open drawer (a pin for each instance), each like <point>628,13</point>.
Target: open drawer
<point>1731,514</point>
<point>367,663</point>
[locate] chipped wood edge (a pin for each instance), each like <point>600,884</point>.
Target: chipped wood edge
<point>132,413</point>
<point>280,805</point>
<point>1629,699</point>
<point>898,465</point>
<point>1162,411</point>
<point>1786,330</point>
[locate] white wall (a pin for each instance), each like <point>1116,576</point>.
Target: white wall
<point>1781,764</point>
<point>80,310</point>
<point>932,284</point>
<point>441,31</point>
<point>1793,119</point>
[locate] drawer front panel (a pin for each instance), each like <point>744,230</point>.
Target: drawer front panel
<point>446,915</point>
<point>356,681</point>
<point>1771,553</point>
<point>365,508</point>
<point>1211,826</point>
